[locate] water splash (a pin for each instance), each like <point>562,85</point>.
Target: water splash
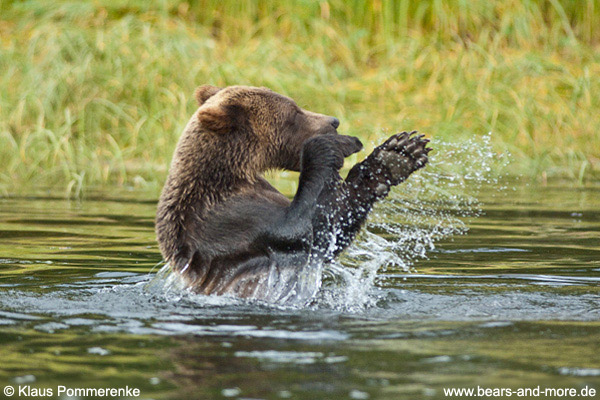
<point>291,288</point>
<point>436,203</point>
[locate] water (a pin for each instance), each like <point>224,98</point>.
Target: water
<point>479,283</point>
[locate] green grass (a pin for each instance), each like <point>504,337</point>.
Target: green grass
<point>96,93</point>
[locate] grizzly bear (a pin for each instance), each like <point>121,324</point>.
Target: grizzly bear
<point>225,230</point>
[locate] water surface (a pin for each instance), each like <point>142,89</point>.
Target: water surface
<point>512,302</point>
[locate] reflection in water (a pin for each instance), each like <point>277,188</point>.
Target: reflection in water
<point>514,303</point>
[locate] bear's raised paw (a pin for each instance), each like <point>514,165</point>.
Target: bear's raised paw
<point>402,154</point>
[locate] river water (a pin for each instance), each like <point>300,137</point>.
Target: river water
<point>443,290</point>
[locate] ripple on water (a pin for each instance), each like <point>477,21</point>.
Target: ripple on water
<point>376,275</point>
<point>413,305</point>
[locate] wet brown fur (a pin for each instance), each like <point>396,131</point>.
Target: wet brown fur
<point>221,225</point>
<point>236,134</point>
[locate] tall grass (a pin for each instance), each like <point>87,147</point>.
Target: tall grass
<point>97,94</point>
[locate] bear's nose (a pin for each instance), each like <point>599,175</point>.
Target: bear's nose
<point>335,122</point>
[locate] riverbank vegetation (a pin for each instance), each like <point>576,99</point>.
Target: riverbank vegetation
<point>96,93</point>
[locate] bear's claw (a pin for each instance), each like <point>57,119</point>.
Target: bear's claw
<point>402,154</point>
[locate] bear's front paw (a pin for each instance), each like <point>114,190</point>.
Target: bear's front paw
<point>402,154</point>
<point>329,150</point>
<point>348,145</point>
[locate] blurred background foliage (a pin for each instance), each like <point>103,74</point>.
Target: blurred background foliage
<point>96,93</point>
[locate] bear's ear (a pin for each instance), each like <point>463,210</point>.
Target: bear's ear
<point>205,92</point>
<point>215,119</point>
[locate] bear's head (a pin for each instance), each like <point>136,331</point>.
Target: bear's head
<point>261,118</point>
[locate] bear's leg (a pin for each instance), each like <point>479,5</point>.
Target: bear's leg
<point>345,205</point>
